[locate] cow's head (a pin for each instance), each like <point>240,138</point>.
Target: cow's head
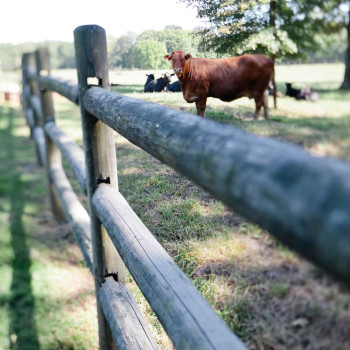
<point>167,76</point>
<point>178,59</point>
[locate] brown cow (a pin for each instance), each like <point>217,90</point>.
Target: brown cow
<point>223,78</point>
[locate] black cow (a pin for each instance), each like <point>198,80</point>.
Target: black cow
<point>174,87</point>
<point>292,92</point>
<point>159,84</point>
<point>305,93</point>
<point>150,77</point>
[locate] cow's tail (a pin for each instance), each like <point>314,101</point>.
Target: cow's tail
<point>274,89</point>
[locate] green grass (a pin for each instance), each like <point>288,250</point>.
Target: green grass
<point>33,300</point>
<point>263,291</point>
<point>248,277</point>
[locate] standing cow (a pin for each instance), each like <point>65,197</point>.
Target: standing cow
<point>225,78</point>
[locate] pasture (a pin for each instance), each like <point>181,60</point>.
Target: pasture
<point>269,296</point>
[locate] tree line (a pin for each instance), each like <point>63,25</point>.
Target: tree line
<point>130,51</point>
<point>147,49</point>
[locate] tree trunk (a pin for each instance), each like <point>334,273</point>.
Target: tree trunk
<point>272,23</point>
<point>346,82</point>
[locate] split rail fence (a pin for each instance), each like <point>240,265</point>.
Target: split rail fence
<point>302,200</point>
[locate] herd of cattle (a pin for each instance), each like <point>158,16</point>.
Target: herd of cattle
<point>225,78</point>
<point>161,84</point>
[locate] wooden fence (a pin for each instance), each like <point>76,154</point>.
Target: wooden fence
<point>302,200</point>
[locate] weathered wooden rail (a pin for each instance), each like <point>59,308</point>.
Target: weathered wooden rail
<point>302,200</point>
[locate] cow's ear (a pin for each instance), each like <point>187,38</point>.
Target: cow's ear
<point>167,57</point>
<point>187,56</point>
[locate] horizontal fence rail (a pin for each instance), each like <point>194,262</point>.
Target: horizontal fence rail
<point>76,215</point>
<point>302,200</point>
<point>72,152</point>
<point>121,317</point>
<point>66,88</point>
<point>187,318</point>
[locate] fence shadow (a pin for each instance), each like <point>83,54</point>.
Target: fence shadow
<point>22,327</point>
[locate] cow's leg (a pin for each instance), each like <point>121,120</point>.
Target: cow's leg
<point>262,101</point>
<point>266,106</point>
<point>258,105</point>
<point>201,105</point>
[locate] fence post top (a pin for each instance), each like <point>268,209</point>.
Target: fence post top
<point>90,44</point>
<point>42,57</point>
<point>89,27</point>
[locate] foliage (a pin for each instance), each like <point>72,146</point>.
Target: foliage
<point>149,54</point>
<point>121,54</point>
<point>146,50</point>
<point>174,38</point>
<point>62,54</point>
<point>278,27</point>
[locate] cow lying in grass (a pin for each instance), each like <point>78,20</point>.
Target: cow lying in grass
<point>305,93</point>
<point>174,87</point>
<point>224,78</point>
<point>157,85</point>
<point>150,77</point>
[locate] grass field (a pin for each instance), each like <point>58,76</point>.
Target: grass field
<point>269,296</point>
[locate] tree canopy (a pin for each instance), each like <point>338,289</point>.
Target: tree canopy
<point>147,49</point>
<point>281,28</point>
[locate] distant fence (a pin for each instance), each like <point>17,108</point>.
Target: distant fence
<point>302,200</point>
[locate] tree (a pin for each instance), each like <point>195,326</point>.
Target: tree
<point>277,27</point>
<point>65,55</point>
<point>346,82</point>
<point>149,54</point>
<point>121,54</point>
<point>174,37</point>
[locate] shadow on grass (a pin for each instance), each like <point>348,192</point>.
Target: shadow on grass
<point>22,330</point>
<point>23,333</point>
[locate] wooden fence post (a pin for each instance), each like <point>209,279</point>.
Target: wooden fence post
<point>31,95</point>
<point>26,94</point>
<point>53,154</point>
<point>100,158</point>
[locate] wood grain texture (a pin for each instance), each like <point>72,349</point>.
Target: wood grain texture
<point>125,320</point>
<point>188,319</point>
<point>302,200</point>
<point>71,151</point>
<point>76,215</point>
